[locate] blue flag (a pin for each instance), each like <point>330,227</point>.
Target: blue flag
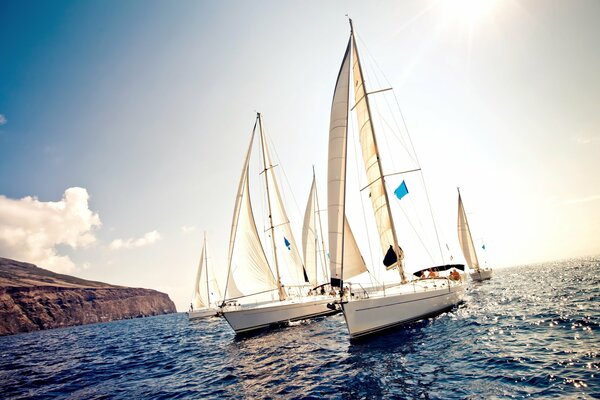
<point>287,243</point>
<point>401,190</point>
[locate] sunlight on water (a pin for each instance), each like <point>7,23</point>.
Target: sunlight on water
<point>530,331</point>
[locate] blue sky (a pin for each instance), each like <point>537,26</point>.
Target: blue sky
<point>148,106</point>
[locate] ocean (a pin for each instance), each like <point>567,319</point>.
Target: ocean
<point>530,332</point>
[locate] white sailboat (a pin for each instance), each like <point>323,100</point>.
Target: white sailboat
<point>466,244</point>
<point>313,244</point>
<point>258,296</point>
<point>205,285</point>
<point>372,310</point>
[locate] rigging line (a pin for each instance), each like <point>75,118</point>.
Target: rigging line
<point>278,225</point>
<point>418,236</point>
<point>393,174</point>
<point>368,94</point>
<point>285,178</point>
<point>388,83</point>
<point>416,158</point>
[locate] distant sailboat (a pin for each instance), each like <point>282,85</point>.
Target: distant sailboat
<point>466,244</point>
<point>313,244</point>
<point>256,295</point>
<point>371,310</point>
<point>205,284</point>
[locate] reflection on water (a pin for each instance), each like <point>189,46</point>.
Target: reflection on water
<point>530,331</point>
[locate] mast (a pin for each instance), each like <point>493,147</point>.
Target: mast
<point>396,247</point>
<point>282,295</point>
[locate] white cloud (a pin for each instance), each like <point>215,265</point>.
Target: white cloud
<point>584,199</point>
<point>147,239</point>
<point>3,120</point>
<point>30,230</point>
<point>587,139</point>
<point>188,229</point>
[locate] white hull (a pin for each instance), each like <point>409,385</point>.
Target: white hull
<point>202,313</point>
<point>482,275</point>
<point>249,318</point>
<point>400,305</point>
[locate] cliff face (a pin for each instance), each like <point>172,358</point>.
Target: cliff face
<point>33,298</point>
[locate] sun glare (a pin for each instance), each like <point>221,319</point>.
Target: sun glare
<point>469,11</point>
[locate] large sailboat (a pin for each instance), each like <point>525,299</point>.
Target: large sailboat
<point>379,307</point>
<point>476,272</point>
<point>205,285</point>
<point>260,293</point>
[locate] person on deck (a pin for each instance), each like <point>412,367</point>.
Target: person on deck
<point>454,275</point>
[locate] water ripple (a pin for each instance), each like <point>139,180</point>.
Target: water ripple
<point>529,332</point>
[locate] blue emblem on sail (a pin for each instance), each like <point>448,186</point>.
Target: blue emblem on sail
<point>287,243</point>
<point>401,190</point>
<point>483,246</point>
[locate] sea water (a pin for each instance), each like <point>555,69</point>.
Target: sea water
<point>531,331</point>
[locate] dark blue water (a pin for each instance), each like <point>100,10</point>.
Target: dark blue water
<point>529,332</point>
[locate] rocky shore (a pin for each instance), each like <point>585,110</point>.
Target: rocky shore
<point>32,298</point>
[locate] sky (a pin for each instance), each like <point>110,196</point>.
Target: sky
<point>123,125</point>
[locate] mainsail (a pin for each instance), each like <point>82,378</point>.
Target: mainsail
<point>464,237</point>
<point>375,179</point>
<point>248,270</point>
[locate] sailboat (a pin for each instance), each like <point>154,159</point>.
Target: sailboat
<point>377,308</point>
<point>466,244</point>
<point>313,244</point>
<point>205,284</point>
<point>260,293</point>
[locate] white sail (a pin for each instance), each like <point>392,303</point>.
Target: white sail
<point>291,268</point>
<point>354,264</point>
<point>214,288</point>
<point>206,287</point>
<point>249,271</point>
<point>312,240</point>
<point>345,258</point>
<point>336,171</point>
<point>375,178</point>
<point>249,266</point>
<point>464,237</point>
<point>309,237</point>
<point>200,299</point>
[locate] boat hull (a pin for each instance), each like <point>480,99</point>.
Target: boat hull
<point>405,304</point>
<point>202,313</point>
<point>481,275</point>
<point>250,319</point>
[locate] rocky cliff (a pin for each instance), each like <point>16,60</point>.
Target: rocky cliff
<point>32,298</point>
